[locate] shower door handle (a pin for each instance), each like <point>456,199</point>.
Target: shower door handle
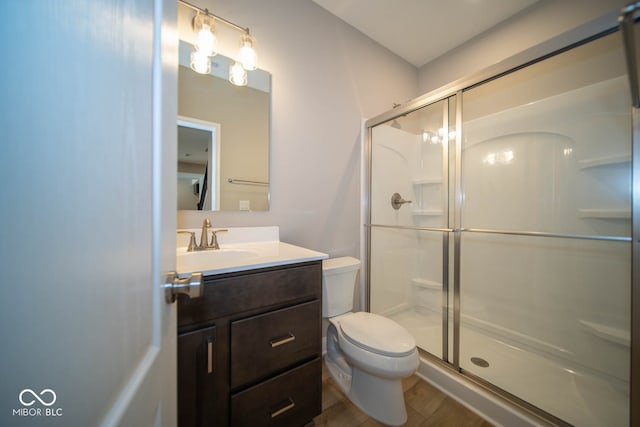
<point>397,201</point>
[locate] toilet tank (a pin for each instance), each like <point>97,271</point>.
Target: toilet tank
<point>338,284</point>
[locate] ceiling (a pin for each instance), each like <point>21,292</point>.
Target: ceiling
<point>421,30</point>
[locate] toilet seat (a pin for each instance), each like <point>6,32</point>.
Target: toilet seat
<point>377,334</point>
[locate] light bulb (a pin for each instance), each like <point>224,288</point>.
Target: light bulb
<point>200,62</point>
<point>206,38</point>
<point>247,55</point>
<point>206,41</point>
<point>237,74</point>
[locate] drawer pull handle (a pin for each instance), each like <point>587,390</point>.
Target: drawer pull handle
<point>284,409</point>
<point>209,356</point>
<point>277,342</point>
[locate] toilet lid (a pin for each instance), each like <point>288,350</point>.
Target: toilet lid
<point>377,334</point>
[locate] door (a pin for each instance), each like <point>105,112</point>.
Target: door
<point>545,247</point>
<point>88,212</point>
<point>540,211</point>
<point>630,31</point>
<point>410,217</point>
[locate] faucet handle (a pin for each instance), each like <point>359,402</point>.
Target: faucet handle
<point>214,237</point>
<point>192,239</point>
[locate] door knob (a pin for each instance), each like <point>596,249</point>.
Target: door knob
<point>397,201</point>
<point>191,286</point>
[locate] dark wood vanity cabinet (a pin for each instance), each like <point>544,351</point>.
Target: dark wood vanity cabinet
<point>249,349</point>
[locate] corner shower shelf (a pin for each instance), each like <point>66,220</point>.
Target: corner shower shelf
<point>427,181</point>
<point>426,212</point>
<point>426,284</point>
<point>604,161</point>
<point>609,333</point>
<point>624,213</point>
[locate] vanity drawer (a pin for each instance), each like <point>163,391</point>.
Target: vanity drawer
<point>236,293</point>
<point>265,344</point>
<point>290,399</point>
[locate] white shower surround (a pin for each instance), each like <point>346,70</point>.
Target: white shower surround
<point>572,288</point>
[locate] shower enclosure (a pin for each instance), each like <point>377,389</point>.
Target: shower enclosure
<point>499,231</point>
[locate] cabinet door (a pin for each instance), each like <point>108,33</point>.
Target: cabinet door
<point>196,373</point>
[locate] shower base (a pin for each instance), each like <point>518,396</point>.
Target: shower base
<point>579,398</point>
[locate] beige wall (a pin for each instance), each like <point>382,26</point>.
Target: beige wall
<point>186,198</point>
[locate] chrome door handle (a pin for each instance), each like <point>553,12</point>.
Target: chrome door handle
<point>191,286</point>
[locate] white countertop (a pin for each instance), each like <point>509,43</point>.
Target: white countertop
<point>241,249</point>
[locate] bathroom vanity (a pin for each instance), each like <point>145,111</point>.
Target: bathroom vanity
<point>249,348</point>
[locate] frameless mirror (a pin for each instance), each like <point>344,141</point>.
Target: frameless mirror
<point>223,138</point>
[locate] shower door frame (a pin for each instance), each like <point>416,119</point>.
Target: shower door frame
<point>529,57</point>
<point>627,22</point>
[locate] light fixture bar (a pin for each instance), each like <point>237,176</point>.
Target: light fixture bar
<point>206,12</point>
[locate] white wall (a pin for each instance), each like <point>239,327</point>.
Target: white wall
<point>543,21</point>
<point>327,77</point>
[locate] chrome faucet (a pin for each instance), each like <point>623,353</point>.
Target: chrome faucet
<point>204,238</point>
<point>205,244</point>
<point>204,235</point>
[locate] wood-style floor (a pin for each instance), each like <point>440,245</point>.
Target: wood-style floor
<point>426,406</point>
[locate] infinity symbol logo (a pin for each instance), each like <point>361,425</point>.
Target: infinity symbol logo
<point>36,397</point>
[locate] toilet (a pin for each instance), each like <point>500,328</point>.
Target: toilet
<point>367,355</point>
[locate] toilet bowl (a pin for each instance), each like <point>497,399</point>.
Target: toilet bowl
<point>367,355</point>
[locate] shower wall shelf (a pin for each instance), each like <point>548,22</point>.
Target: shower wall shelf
<point>624,213</point>
<point>426,295</point>
<point>426,284</point>
<point>427,181</point>
<point>604,161</point>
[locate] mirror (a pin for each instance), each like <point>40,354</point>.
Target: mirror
<point>223,138</point>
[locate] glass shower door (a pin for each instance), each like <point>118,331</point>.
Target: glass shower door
<point>545,248</point>
<point>409,220</point>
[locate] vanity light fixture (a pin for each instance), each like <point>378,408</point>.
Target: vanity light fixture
<point>204,26</point>
<point>200,62</point>
<point>247,54</point>
<point>237,74</point>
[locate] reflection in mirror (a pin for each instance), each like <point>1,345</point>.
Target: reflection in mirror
<point>198,165</point>
<point>240,117</point>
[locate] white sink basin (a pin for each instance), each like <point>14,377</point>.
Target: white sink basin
<point>243,249</point>
<point>211,259</point>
